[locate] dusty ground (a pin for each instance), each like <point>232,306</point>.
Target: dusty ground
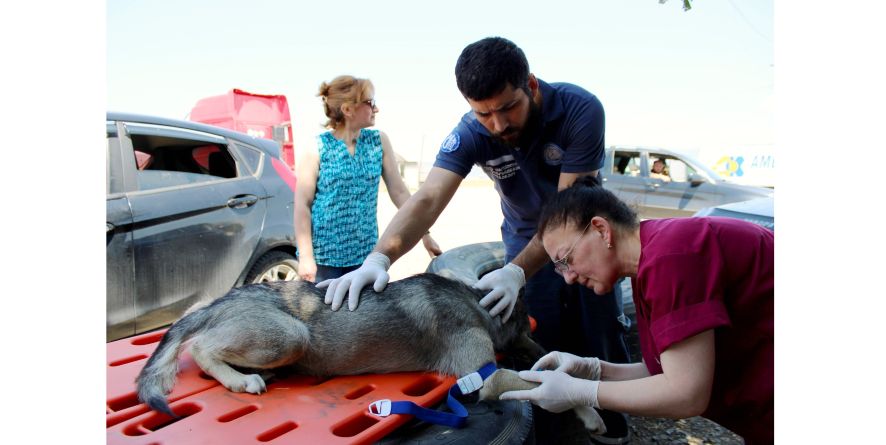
<point>694,431</point>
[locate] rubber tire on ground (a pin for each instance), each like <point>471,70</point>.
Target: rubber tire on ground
<point>504,422</point>
<point>270,260</point>
<point>470,262</point>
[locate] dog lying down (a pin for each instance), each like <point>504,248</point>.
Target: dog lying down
<point>422,323</point>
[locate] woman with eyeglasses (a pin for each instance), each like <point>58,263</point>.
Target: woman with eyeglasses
<point>336,194</point>
<point>703,290</point>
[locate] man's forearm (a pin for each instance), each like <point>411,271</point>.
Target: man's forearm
<point>418,213</point>
<point>532,257</point>
<point>406,229</point>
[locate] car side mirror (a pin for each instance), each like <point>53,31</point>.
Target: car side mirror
<point>696,180</point>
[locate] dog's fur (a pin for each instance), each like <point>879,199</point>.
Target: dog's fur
<point>422,323</point>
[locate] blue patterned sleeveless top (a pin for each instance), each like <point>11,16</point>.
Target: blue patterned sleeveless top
<point>344,219</point>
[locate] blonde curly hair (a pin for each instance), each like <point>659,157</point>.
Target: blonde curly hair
<point>341,90</point>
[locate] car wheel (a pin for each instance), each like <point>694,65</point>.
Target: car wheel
<point>273,266</point>
<point>470,262</point>
<point>505,422</point>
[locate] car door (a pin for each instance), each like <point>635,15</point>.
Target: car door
<point>622,175</point>
<point>681,191</point>
<point>120,290</point>
<point>197,217</point>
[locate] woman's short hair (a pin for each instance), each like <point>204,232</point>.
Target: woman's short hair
<point>341,90</point>
<point>581,202</point>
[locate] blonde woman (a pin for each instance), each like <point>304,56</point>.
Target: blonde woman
<point>336,195</point>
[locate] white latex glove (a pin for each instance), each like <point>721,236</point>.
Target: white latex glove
<point>558,391</point>
<point>373,270</point>
<point>580,367</point>
<point>505,284</point>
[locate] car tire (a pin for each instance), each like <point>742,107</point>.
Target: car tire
<point>273,266</point>
<point>505,422</point>
<point>470,262</point>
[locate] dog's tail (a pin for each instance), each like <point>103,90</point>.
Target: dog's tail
<point>157,378</point>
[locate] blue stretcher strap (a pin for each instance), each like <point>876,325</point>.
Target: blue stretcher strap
<point>455,419</point>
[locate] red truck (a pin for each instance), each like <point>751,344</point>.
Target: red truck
<point>260,115</point>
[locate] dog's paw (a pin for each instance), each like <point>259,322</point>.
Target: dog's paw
<point>255,384</point>
<point>251,383</point>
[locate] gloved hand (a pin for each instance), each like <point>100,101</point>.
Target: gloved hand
<point>505,284</point>
<point>558,391</point>
<point>580,367</point>
<point>373,270</point>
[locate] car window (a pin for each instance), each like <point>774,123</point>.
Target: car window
<point>673,169</point>
<point>164,161</point>
<point>113,169</point>
<point>626,163</point>
<point>251,156</point>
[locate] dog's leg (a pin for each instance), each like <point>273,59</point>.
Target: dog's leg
<point>504,380</point>
<point>501,381</point>
<point>226,375</point>
<point>270,343</point>
<point>469,351</point>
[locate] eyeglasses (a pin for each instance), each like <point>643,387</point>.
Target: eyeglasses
<point>561,266</point>
<point>370,102</point>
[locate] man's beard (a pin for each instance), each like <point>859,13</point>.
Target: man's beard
<point>528,133</point>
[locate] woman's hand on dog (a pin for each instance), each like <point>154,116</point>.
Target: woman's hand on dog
<point>581,367</point>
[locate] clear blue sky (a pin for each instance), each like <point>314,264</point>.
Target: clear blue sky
<point>694,81</point>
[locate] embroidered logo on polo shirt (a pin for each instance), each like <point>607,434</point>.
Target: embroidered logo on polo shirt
<point>451,143</point>
<point>501,168</point>
<point>553,154</point>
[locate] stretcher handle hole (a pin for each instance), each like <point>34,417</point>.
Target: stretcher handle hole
<point>153,337</point>
<point>360,392</point>
<point>159,421</point>
<point>233,415</point>
<point>126,360</point>
<point>121,403</point>
<point>354,425</point>
<point>423,385</point>
<point>277,431</point>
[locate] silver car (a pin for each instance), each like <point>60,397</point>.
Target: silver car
<point>662,183</point>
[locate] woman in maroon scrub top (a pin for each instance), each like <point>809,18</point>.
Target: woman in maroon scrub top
<point>703,289</point>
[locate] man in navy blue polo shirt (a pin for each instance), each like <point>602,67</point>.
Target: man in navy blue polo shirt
<point>533,139</point>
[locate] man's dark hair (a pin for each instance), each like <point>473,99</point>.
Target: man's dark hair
<point>485,67</point>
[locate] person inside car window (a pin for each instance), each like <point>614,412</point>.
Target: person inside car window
<point>660,171</point>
